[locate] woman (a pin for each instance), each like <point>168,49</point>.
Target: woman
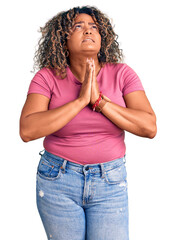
<point>82,100</point>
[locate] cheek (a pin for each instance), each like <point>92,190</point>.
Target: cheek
<point>72,43</point>
<point>74,40</point>
<point>98,37</point>
<point>99,41</point>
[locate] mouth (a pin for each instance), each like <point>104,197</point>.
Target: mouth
<point>88,40</point>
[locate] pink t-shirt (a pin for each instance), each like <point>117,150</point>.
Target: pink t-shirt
<point>90,137</point>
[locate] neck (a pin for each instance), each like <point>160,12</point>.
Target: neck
<point>78,66</point>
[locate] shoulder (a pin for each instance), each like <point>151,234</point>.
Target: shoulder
<point>45,72</point>
<point>122,69</point>
<point>44,77</point>
<point>114,67</point>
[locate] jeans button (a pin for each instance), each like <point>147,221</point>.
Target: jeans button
<point>87,168</point>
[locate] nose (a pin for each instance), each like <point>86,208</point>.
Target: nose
<point>88,31</point>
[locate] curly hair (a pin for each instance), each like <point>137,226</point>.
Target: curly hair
<point>52,51</point>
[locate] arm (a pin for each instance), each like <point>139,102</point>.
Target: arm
<point>138,117</point>
<point>37,121</point>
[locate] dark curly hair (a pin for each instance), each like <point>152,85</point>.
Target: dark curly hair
<point>52,52</point>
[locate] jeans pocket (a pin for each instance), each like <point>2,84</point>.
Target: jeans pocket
<point>48,170</point>
<point>116,175</point>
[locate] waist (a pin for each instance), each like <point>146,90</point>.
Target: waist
<point>94,152</point>
<point>79,167</point>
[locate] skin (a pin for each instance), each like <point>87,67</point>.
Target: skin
<point>80,51</point>
<point>138,116</point>
<point>37,121</point>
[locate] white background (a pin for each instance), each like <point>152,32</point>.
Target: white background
<point>147,36</point>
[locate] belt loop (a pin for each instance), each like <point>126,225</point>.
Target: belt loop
<point>41,151</point>
<point>102,170</point>
<point>63,165</point>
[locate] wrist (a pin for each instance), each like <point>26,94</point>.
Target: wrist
<point>82,102</point>
<point>101,101</point>
<point>97,101</point>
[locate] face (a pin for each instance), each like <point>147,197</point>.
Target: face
<point>83,29</point>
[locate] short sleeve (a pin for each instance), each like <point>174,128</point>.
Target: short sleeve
<point>41,83</point>
<point>131,81</point>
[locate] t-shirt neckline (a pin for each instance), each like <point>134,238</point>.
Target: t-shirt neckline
<point>76,81</point>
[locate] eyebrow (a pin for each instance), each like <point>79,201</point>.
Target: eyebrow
<point>84,22</point>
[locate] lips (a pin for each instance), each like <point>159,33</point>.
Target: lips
<point>88,39</point>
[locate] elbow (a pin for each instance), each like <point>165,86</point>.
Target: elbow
<point>24,134</point>
<point>153,129</point>
<point>24,137</point>
<point>153,132</point>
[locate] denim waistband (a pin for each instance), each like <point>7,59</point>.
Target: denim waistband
<point>97,167</point>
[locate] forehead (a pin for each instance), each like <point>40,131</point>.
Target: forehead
<point>84,17</point>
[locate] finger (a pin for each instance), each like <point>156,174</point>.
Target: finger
<point>94,66</point>
<point>88,65</point>
<point>90,61</point>
<point>90,76</point>
<point>94,73</point>
<point>91,66</point>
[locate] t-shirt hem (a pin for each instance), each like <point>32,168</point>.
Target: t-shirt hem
<point>71,160</point>
<point>130,91</point>
<point>39,93</point>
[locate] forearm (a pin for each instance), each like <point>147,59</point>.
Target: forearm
<point>135,121</point>
<point>40,124</point>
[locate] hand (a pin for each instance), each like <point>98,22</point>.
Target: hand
<point>95,92</point>
<point>85,92</point>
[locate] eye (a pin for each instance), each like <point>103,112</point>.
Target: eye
<point>77,26</point>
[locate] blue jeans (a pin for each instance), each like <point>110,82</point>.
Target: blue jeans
<point>79,202</point>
